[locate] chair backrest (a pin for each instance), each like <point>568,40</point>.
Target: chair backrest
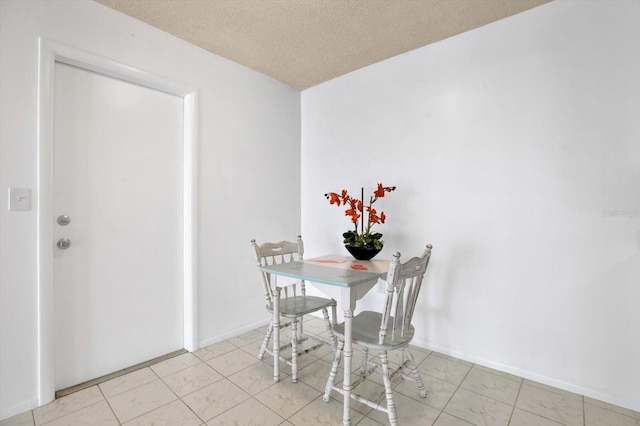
<point>403,286</point>
<point>276,253</point>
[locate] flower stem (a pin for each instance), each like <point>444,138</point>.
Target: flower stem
<point>362,200</point>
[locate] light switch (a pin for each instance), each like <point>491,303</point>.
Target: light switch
<point>19,199</point>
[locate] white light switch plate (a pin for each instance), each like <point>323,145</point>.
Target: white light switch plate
<point>19,199</point>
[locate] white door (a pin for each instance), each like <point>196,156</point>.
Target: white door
<point>118,287</point>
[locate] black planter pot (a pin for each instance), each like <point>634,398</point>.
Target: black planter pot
<point>363,253</point>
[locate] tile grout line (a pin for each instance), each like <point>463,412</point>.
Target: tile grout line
<point>178,396</point>
<point>236,347</point>
<point>109,405</point>
<point>453,393</point>
<point>158,378</point>
<point>530,412</point>
<point>515,401</point>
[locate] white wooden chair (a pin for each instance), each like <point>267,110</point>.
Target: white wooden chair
<point>291,302</point>
<point>390,330</point>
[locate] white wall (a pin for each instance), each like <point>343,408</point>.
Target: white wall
<point>249,126</point>
<point>510,146</point>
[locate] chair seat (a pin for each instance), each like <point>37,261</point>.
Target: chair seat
<point>366,328</point>
<point>293,307</point>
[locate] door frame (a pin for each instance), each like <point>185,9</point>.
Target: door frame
<point>50,52</point>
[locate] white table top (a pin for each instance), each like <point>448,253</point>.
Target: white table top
<point>333,270</point>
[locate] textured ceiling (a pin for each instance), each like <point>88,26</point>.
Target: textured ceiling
<point>306,42</point>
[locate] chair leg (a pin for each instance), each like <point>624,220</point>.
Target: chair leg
<point>391,407</point>
<point>332,337</point>
<point>334,370</point>
<point>415,374</point>
<point>365,358</point>
<point>298,331</point>
<point>265,342</point>
<point>294,349</point>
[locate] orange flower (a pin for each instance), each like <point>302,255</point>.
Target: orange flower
<point>379,192</point>
<point>334,198</point>
<point>363,237</point>
<point>344,196</point>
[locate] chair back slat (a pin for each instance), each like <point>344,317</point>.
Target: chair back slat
<point>404,281</point>
<point>278,253</point>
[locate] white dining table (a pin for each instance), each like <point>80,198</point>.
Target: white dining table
<point>353,278</point>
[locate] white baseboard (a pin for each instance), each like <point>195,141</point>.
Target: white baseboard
<point>550,381</point>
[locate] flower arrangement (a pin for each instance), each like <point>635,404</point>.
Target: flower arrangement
<point>355,210</point>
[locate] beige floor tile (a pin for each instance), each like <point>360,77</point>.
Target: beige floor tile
<point>175,364</point>
<point>143,399</point>
<point>253,349</point>
<point>491,385</point>
<point>232,362</point>
<point>439,392</point>
<point>256,378</point>
<point>67,405</point>
<point>366,421</point>
<point>444,368</point>
<point>173,414</point>
<point>449,420</point>
<point>598,416</point>
<point>216,383</point>
<point>550,405</point>
<point>215,350</point>
<point>323,337</point>
<point>98,414</point>
<point>451,358</point>
<point>408,411</point>
<point>617,409</point>
<point>246,338</point>
<point>247,413</point>
<point>321,413</point>
<point>478,409</point>
<point>419,354</point>
<point>317,374</point>
<point>553,389</point>
<point>215,399</point>
<point>191,379</point>
<point>127,382</point>
<point>315,326</point>
<point>286,398</point>
<point>22,419</point>
<point>524,418</point>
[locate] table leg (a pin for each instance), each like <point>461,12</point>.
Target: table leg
<point>276,335</point>
<point>348,303</point>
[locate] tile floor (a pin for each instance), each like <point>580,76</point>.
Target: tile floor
<point>225,384</point>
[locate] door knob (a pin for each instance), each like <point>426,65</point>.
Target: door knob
<point>63,220</point>
<point>64,243</point>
